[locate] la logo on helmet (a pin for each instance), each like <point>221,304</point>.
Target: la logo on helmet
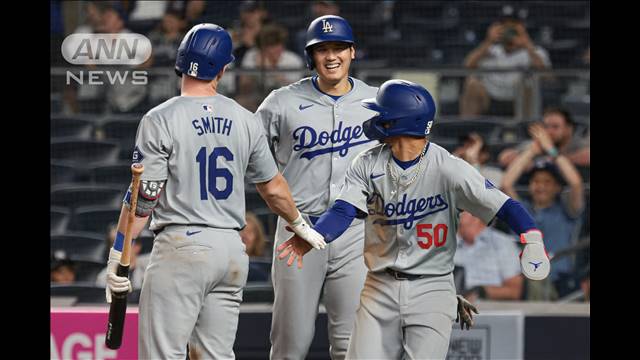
<point>326,26</point>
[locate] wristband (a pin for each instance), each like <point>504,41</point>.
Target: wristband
<point>553,152</point>
<point>299,220</point>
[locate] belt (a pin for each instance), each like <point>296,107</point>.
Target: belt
<point>158,231</point>
<point>398,275</point>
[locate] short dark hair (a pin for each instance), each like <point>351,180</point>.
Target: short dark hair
<point>562,112</point>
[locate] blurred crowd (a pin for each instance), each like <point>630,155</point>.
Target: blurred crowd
<point>264,42</point>
<point>548,173</point>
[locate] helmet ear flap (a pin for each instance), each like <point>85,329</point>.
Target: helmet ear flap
<point>373,130</point>
<point>309,59</point>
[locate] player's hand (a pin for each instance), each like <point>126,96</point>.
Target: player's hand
<point>300,227</point>
<point>465,313</point>
<point>115,283</point>
<point>294,247</point>
<point>534,261</point>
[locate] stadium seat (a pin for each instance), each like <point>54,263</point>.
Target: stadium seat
<point>259,270</point>
<point>63,172</point>
<point>142,26</point>
<point>578,107</point>
<point>94,218</point>
<point>78,194</point>
<point>123,130</point>
<point>59,219</point>
<point>84,152</point>
<point>120,127</point>
<point>85,246</point>
<point>257,292</point>
<point>111,173</point>
<point>71,126</point>
<point>454,128</point>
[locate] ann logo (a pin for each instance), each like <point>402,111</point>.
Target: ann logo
<point>193,69</point>
<point>326,26</point>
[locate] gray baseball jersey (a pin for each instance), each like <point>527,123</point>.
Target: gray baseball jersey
<point>204,147</point>
<point>411,228</point>
<point>314,139</point>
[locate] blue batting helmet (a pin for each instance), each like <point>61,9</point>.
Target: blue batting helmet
<point>204,51</point>
<point>326,28</point>
<point>403,107</point>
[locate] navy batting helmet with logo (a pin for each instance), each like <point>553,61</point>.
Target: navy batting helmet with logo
<point>403,107</point>
<point>204,51</point>
<point>326,28</point>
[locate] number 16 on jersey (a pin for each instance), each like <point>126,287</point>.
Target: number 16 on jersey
<point>210,172</point>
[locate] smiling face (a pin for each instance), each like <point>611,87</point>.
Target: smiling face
<point>332,60</point>
<point>543,188</point>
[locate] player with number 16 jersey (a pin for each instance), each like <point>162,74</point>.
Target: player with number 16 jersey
<point>197,149</point>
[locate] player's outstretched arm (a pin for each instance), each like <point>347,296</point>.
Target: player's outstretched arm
<point>276,194</point>
<point>333,223</point>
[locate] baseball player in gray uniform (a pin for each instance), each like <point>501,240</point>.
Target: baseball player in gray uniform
<point>314,127</point>
<point>197,149</point>
<point>411,191</point>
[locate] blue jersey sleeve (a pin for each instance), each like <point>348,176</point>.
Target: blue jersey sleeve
<point>516,217</point>
<point>335,221</point>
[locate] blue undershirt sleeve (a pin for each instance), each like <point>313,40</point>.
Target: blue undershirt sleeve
<point>516,217</point>
<point>335,221</point>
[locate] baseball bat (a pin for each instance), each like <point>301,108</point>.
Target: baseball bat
<point>118,308</point>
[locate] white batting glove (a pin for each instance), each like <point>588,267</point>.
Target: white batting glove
<point>115,283</point>
<point>533,259</point>
<point>302,229</point>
